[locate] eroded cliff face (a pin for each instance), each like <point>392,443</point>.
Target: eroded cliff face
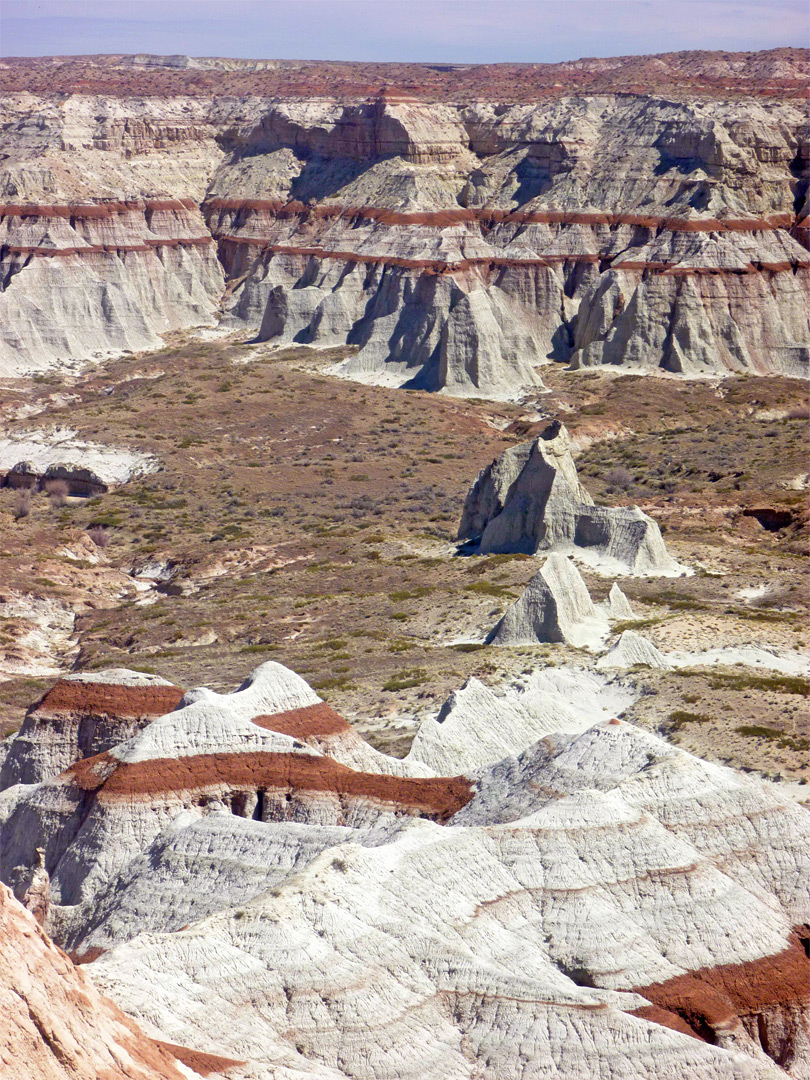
<point>458,244</point>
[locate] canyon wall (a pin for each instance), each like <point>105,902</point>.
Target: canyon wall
<point>459,240</point>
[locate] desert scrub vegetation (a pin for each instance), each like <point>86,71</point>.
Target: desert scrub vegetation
<point>778,684</point>
<point>680,717</point>
<point>489,588</point>
<point>782,739</point>
<point>405,680</point>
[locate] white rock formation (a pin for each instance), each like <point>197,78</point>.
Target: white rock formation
<point>42,450</point>
<point>530,500</point>
<point>479,725</point>
<point>583,907</point>
<point>555,606</point>
<point>531,917</point>
<point>618,606</point>
<point>632,649</point>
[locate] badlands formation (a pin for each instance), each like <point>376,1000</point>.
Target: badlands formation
<point>646,213</point>
<point>530,499</point>
<point>266,896</point>
<point>505,865</point>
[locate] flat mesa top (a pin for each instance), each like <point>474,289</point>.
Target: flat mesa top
<point>783,71</point>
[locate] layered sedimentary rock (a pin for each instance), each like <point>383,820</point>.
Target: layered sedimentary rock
<point>81,716</point>
<point>458,242</point>
<point>530,499</point>
<point>596,903</point>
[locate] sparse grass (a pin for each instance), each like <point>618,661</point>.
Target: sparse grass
<point>680,717</point>
<point>405,680</point>
<point>772,734</point>
<point>489,588</point>
<point>777,684</point>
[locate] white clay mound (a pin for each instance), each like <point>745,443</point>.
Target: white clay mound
<point>530,500</point>
<point>112,465</point>
<point>555,607</point>
<point>548,909</point>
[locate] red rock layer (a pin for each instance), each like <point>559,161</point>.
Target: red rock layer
<point>111,699</point>
<point>304,774</point>
<point>311,720</point>
<point>710,998</point>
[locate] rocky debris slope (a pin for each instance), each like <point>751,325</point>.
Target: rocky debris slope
<point>530,500</point>
<point>457,244</point>
<point>56,1025</point>
<point>555,606</point>
<point>595,903</point>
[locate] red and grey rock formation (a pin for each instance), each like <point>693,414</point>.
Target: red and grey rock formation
<point>81,716</point>
<point>597,903</point>
<point>646,212</point>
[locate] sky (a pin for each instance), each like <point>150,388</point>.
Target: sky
<point>453,31</point>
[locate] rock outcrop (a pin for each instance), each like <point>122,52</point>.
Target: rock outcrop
<point>530,500</point>
<point>555,606</point>
<point>84,715</point>
<point>479,725</point>
<point>618,606</point>
<point>632,649</point>
<point>57,1026</point>
<point>643,212</point>
<point>32,459</point>
<point>585,902</point>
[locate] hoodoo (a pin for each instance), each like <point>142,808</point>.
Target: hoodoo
<point>555,606</point>
<point>530,500</point>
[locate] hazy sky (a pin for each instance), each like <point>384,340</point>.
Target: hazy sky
<point>427,30</point>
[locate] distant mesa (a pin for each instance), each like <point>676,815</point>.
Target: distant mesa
<point>530,500</point>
